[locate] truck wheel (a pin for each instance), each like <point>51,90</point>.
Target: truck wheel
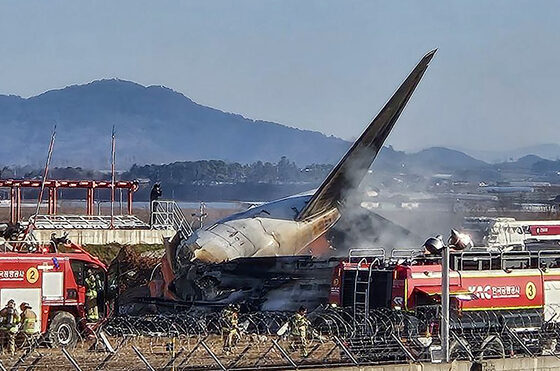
<point>62,331</point>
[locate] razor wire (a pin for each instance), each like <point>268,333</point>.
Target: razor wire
<point>193,339</point>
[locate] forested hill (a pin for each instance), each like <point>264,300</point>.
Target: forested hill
<point>154,125</point>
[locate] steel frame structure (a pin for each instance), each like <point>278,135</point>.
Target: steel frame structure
<point>16,186</point>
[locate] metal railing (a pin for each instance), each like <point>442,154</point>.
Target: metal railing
<point>88,222</point>
<point>166,214</point>
<point>370,254</point>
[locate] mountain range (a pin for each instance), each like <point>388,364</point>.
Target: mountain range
<point>154,125</point>
<point>549,151</point>
<point>157,125</point>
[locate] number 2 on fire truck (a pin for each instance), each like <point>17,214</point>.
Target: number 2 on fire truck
<point>32,275</point>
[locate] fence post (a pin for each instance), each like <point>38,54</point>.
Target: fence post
<point>188,357</point>
<point>238,358</point>
<point>141,356</point>
<point>34,363</point>
<point>345,350</point>
<point>403,347</point>
<point>71,359</point>
<point>110,355</point>
<point>284,354</point>
<point>213,355</point>
<point>24,356</point>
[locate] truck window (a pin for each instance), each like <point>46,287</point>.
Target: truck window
<point>78,268</point>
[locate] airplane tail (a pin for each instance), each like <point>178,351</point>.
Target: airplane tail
<point>352,168</point>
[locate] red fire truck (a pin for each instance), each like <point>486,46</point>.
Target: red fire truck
<point>512,282</point>
<point>500,301</point>
<point>52,282</point>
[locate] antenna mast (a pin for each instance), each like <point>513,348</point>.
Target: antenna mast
<point>45,174</point>
<point>113,177</point>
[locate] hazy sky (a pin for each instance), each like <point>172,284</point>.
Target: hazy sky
<point>320,65</point>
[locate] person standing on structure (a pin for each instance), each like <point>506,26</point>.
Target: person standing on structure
<point>9,320</point>
<point>155,194</point>
<point>92,287</point>
<point>230,326</point>
<point>298,331</point>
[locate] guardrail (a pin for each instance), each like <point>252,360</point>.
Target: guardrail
<point>62,222</point>
<point>166,214</point>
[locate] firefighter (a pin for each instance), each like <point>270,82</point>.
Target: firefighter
<point>9,325</point>
<point>28,319</point>
<point>92,287</point>
<point>230,326</point>
<point>298,331</point>
<point>155,194</point>
<point>53,244</point>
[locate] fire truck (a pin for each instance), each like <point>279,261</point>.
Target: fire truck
<point>480,280</point>
<point>509,232</point>
<point>517,290</point>
<point>51,279</point>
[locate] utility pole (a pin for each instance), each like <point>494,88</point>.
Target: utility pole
<point>44,179</point>
<point>113,177</point>
<point>444,326</point>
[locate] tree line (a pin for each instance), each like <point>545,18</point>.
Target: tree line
<point>203,172</point>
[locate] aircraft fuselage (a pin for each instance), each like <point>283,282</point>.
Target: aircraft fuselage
<point>265,230</point>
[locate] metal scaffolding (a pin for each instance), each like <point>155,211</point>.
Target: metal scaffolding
<point>16,186</point>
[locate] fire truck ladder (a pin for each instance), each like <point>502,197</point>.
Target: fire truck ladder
<point>362,283</point>
<point>362,280</point>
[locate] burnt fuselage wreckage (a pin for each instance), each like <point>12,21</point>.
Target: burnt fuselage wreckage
<point>275,256</point>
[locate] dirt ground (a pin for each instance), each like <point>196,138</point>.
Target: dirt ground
<point>163,353</point>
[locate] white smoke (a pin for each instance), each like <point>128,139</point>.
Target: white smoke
<point>389,223</point>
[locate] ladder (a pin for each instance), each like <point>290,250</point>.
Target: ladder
<point>362,285</point>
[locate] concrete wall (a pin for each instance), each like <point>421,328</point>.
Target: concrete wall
<point>103,236</point>
<point>548,363</point>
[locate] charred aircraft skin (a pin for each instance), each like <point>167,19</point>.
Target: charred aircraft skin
<point>283,282</point>
<point>261,283</point>
<point>287,227</point>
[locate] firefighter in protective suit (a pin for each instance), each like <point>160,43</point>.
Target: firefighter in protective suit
<point>92,287</point>
<point>28,319</point>
<point>298,331</point>
<point>9,325</point>
<point>230,326</point>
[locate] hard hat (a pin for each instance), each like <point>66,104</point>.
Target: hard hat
<point>460,241</point>
<point>434,245</point>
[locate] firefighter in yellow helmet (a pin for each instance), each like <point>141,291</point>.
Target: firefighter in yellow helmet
<point>229,317</point>
<point>28,319</point>
<point>299,325</point>
<point>93,285</point>
<point>9,320</point>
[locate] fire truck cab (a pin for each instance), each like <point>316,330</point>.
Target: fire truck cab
<point>53,283</point>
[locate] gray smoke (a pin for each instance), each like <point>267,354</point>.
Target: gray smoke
<point>392,210</point>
